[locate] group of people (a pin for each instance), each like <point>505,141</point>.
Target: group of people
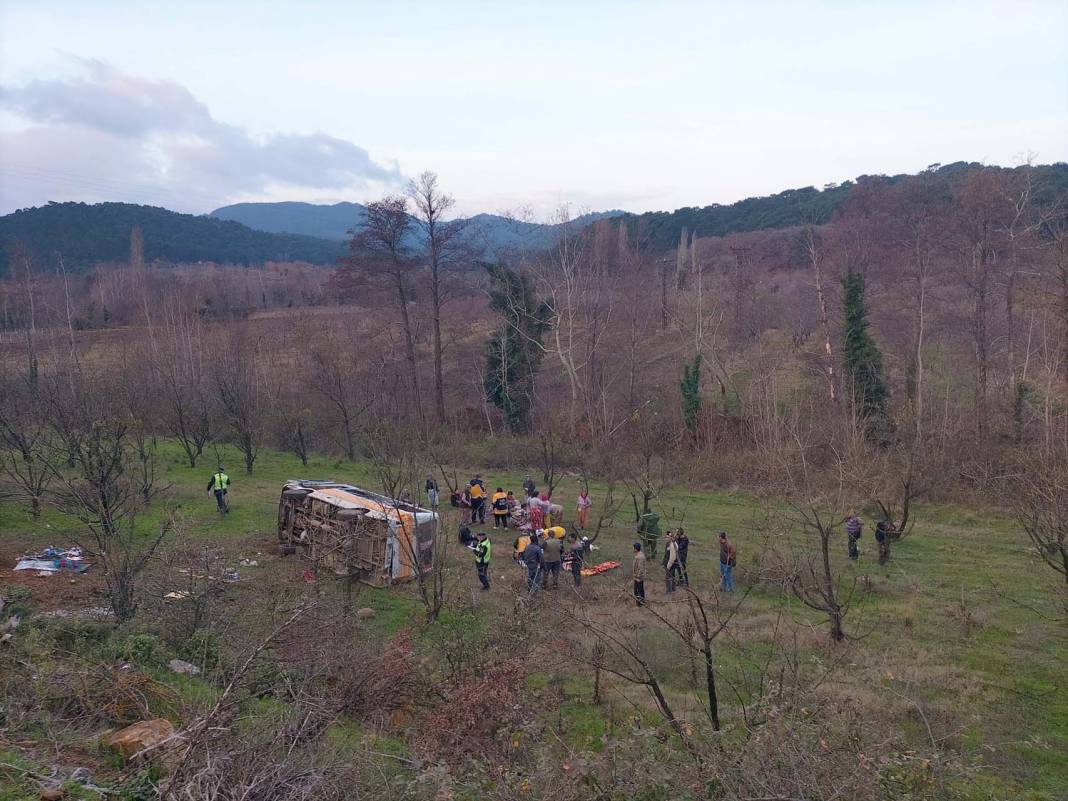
<point>676,553</point>
<point>542,553</point>
<point>884,532</point>
<point>545,552</point>
<point>534,511</point>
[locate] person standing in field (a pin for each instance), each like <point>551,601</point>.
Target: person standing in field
<point>853,527</point>
<point>431,491</point>
<point>552,551</point>
<point>576,548</point>
<point>532,558</point>
<point>728,558</point>
<point>583,510</point>
<point>219,483</point>
<point>483,551</point>
<point>671,561</point>
<point>683,543</point>
<point>637,574</point>
<point>478,501</point>
<point>529,488</point>
<point>499,502</point>
<point>882,537</point>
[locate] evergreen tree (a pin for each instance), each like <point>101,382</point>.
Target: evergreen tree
<point>691,394</point>
<point>863,361</point>
<point>514,353</point>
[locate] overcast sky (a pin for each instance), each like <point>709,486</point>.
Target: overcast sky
<point>516,105</point>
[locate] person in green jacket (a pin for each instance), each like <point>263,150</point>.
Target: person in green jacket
<point>219,483</point>
<point>483,551</point>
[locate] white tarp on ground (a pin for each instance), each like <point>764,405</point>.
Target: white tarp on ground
<point>49,565</point>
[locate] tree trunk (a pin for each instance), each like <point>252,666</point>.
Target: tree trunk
<point>409,345</point>
<point>824,319</point>
<point>439,383</point>
<point>710,678</point>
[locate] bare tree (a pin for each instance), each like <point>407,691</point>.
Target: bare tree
<point>97,490</point>
<point>25,438</point>
<point>178,357</point>
<point>1040,497</point>
<point>382,244</point>
<point>401,462</point>
<point>814,252</point>
<point>240,391</point>
<point>443,243</point>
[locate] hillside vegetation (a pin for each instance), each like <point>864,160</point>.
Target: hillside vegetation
<point>84,234</point>
<point>792,208</point>
<point>903,366</point>
<point>946,649</point>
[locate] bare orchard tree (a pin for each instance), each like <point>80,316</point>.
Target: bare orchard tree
<point>333,377</point>
<point>696,630</point>
<point>401,462</point>
<point>25,439</point>
<point>98,484</point>
<point>644,469</point>
<point>179,356</point>
<point>443,243</point>
<point>813,514</point>
<point>241,392</point>
<point>1039,495</point>
<point>606,647</point>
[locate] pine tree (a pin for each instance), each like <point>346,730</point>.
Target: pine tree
<point>691,394</point>
<point>863,362</point>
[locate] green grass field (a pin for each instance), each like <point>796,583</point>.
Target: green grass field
<point>948,627</point>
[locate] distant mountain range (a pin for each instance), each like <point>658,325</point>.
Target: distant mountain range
<point>252,233</point>
<point>489,234</point>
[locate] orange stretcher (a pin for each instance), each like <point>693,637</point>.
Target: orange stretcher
<point>604,567</point>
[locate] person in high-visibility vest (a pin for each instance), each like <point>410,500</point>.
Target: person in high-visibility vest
<point>559,532</point>
<point>219,483</point>
<point>483,551</point>
<point>478,502</point>
<point>499,502</point>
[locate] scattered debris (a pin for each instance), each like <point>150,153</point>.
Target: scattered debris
<point>52,792</point>
<point>81,775</point>
<point>309,576</point>
<point>249,563</point>
<point>366,613</point>
<point>231,575</point>
<point>183,667</point>
<point>53,560</point>
<point>136,738</point>
<point>96,612</point>
<point>178,595</point>
<point>7,629</point>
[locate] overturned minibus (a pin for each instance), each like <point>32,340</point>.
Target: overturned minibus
<point>354,532</point>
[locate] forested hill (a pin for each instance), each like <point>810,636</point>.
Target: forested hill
<point>85,234</point>
<point>807,206</point>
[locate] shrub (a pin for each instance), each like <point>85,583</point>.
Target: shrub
<point>74,636</point>
<point>201,648</point>
<point>145,650</point>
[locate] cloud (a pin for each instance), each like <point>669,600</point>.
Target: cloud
<point>104,134</point>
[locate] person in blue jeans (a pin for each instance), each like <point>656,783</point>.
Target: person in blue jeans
<point>728,558</point>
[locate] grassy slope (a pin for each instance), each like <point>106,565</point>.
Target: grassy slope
<point>934,629</point>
